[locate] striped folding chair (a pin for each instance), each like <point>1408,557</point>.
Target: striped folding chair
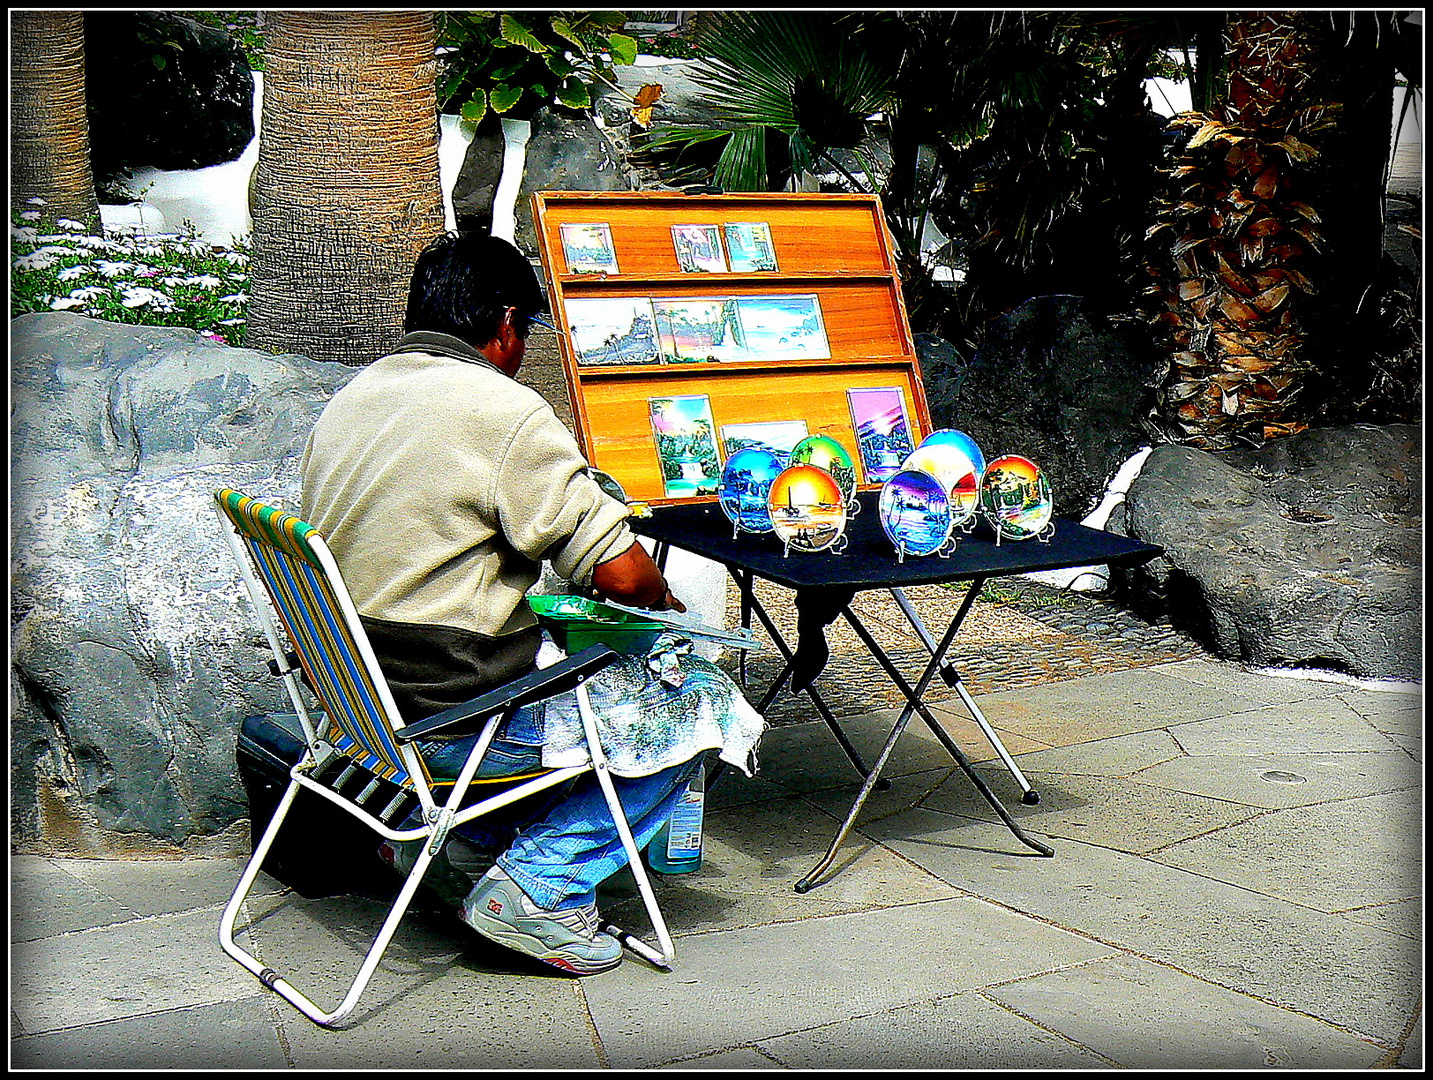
<point>358,754</point>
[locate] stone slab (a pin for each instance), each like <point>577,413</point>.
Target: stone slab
<point>1143,1015</point>
<point>1301,727</point>
<point>1404,917</point>
<point>1332,857</point>
<point>1393,714</point>
<point>46,900</point>
<point>1359,977</point>
<point>1274,781</point>
<point>1119,755</point>
<point>1234,677</point>
<point>963,1031</point>
<point>1125,815</point>
<point>223,1035</point>
<point>737,988</point>
<point>1101,706</point>
<point>123,970</point>
<point>443,997</point>
<point>160,887</point>
<point>752,858</point>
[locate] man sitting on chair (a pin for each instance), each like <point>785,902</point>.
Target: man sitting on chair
<point>441,484</point>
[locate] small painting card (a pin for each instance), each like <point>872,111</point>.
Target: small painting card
<point>687,451</point>
<point>588,248</point>
<point>615,330</point>
<point>778,436</point>
<point>879,418</point>
<point>750,247</point>
<point>698,249</point>
<point>783,327</point>
<point>690,331</point>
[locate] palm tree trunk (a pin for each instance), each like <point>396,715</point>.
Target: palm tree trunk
<point>346,189</point>
<point>49,131</point>
<point>1237,236</point>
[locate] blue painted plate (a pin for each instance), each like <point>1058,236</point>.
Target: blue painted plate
<point>745,482</point>
<point>915,512</point>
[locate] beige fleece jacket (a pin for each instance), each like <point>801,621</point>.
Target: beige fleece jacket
<point>440,483</point>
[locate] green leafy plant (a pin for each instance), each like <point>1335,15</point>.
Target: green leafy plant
<point>789,88</point>
<point>173,279</point>
<point>513,63</point>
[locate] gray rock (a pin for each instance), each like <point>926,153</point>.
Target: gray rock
<point>566,152</point>
<point>1304,553</point>
<point>191,109</point>
<point>1053,382</point>
<point>133,655</point>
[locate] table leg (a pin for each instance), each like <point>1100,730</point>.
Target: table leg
<point>744,582</point>
<point>913,706</point>
<point>952,678</point>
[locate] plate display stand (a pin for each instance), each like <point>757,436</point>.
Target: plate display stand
<point>663,349</point>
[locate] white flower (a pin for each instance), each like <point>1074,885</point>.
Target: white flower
<point>203,281</point>
<point>235,298</point>
<point>138,296</point>
<point>35,200</point>
<point>149,249</point>
<point>237,258</point>
<point>97,243</point>
<point>89,292</point>
<point>113,269</point>
<point>172,280</point>
<point>239,277</point>
<point>65,302</point>
<point>231,322</point>
<point>25,234</point>
<point>70,225</point>
<point>29,215</point>
<point>74,273</point>
<point>40,259</point>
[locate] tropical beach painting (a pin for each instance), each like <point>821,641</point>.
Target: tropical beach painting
<point>687,451</point>
<point>588,248</point>
<point>612,330</point>
<point>883,432</point>
<point>691,331</point>
<point>783,327</point>
<point>698,249</point>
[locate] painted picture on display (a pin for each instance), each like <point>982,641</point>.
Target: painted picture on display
<point>750,247</point>
<point>588,249</point>
<point>698,248</point>
<point>615,330</point>
<point>783,327</point>
<point>697,330</point>
<point>878,416</point>
<point>777,436</point>
<point>687,450</point>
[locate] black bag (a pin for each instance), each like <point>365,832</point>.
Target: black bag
<point>322,850</point>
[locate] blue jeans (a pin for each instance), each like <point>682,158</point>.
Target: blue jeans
<point>570,844</point>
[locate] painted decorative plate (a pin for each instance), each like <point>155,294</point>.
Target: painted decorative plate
<point>951,464</point>
<point>826,453</point>
<point>745,482</point>
<point>1015,497</point>
<point>807,509</point>
<point>915,512</point>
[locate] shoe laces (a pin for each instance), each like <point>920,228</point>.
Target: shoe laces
<point>582,920</point>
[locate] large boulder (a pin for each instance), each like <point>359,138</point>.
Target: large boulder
<point>133,655</point>
<point>1053,382</point>
<point>1304,553</point>
<point>566,151</point>
<point>164,91</point>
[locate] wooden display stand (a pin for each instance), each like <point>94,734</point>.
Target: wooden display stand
<point>834,288</point>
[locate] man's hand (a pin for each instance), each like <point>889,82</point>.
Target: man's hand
<point>633,578</point>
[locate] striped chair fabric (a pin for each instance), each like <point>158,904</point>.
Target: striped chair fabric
<point>282,546</point>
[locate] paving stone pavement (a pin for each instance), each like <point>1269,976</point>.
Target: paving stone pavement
<point>1236,884</point>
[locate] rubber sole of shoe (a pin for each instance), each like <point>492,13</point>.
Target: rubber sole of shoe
<point>526,944</point>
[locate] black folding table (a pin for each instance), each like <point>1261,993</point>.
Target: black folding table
<point>824,586</point>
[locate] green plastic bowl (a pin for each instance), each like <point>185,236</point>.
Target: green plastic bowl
<point>575,622</point>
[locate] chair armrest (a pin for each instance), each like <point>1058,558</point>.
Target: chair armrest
<point>534,686</point>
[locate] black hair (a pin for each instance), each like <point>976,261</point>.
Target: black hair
<point>463,283</point>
